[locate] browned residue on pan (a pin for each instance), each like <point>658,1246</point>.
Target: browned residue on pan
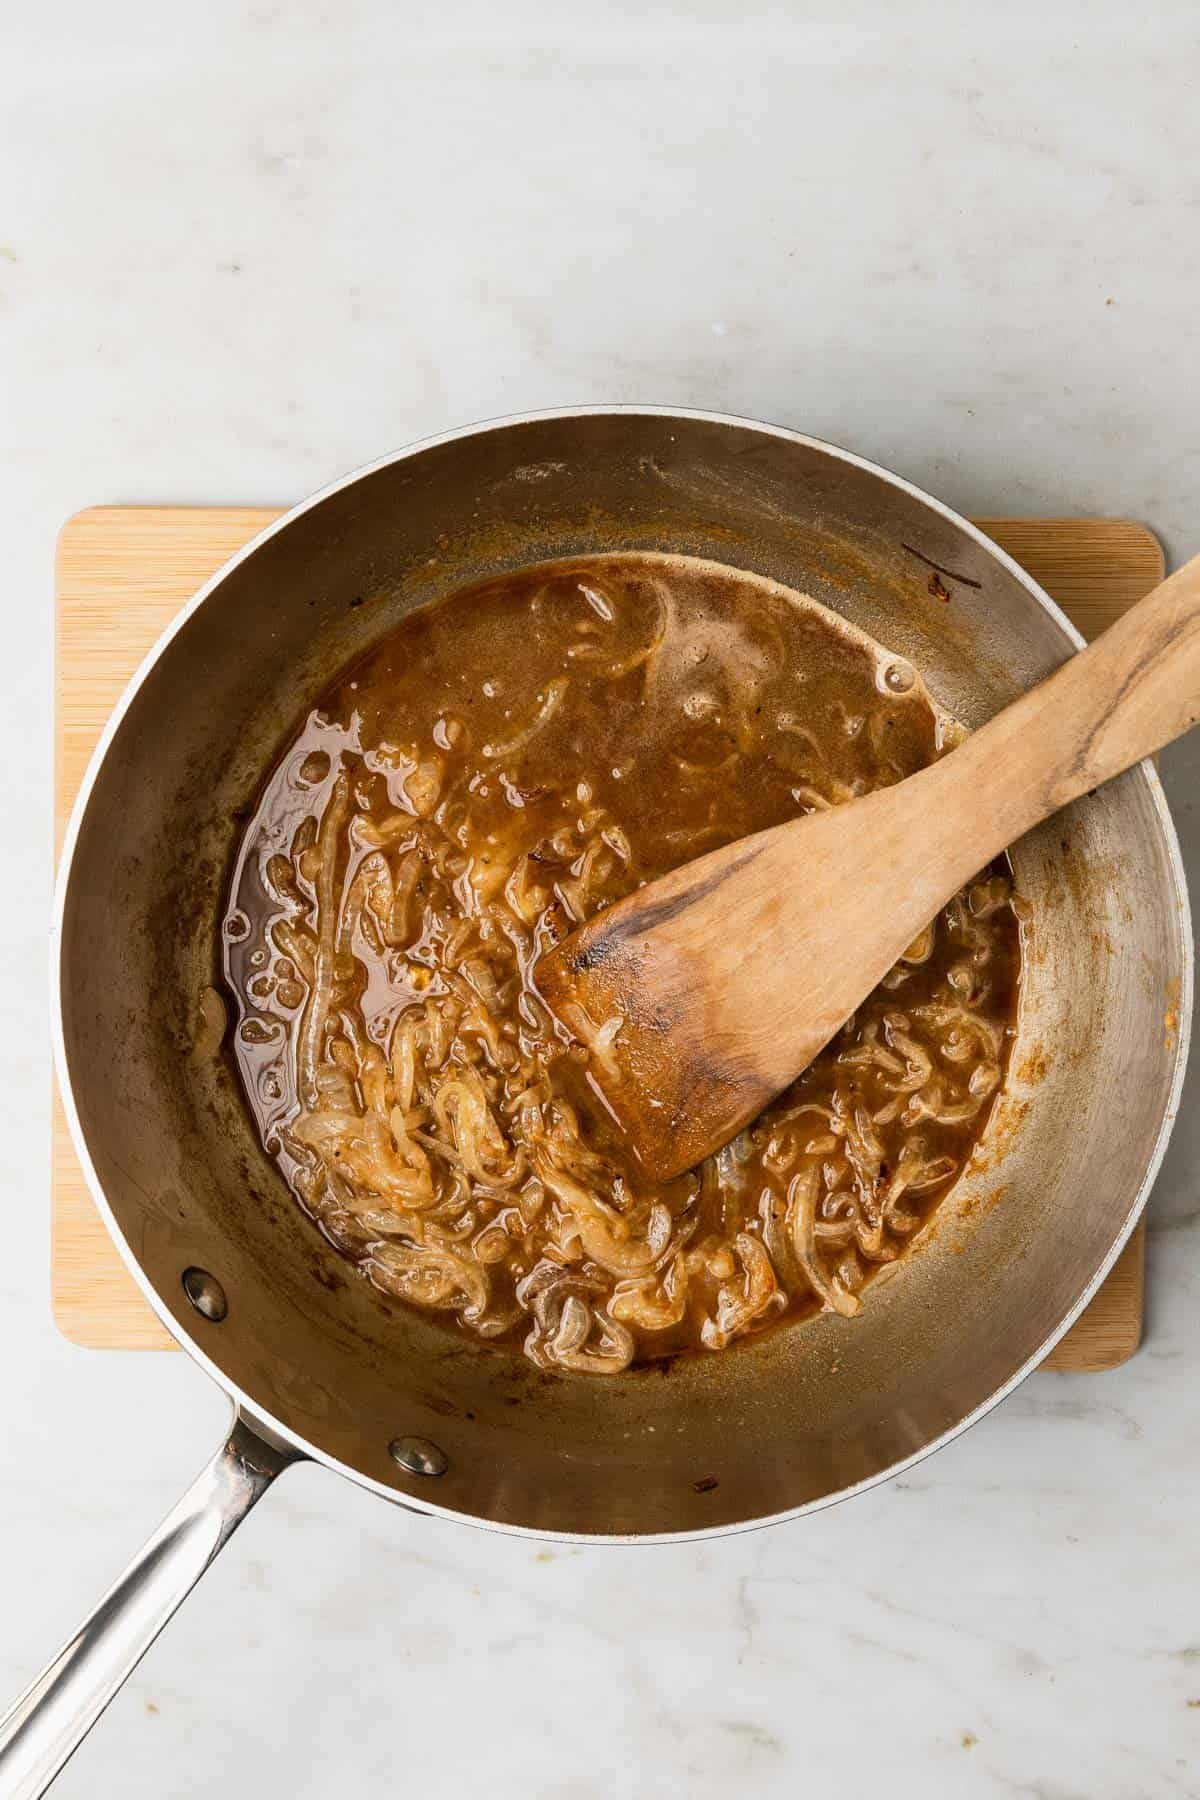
<point>1004,1128</point>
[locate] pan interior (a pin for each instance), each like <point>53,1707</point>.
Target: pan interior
<point>704,1442</point>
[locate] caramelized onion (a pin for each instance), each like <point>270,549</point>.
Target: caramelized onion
<point>802,1220</point>
<point>424,1105</point>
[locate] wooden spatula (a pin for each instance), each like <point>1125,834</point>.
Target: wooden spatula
<point>704,994</point>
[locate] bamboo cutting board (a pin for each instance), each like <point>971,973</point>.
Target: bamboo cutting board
<point>122,574</point>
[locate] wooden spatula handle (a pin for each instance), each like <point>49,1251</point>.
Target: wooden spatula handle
<point>1125,696</point>
<point>729,975</point>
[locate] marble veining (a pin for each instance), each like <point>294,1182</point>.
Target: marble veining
<point>240,254</point>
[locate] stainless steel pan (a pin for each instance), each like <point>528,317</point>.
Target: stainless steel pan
<point>319,1364</point>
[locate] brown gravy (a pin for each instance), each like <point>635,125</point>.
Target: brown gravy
<point>499,767</point>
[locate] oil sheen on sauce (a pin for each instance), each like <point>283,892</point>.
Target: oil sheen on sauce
<point>495,769</point>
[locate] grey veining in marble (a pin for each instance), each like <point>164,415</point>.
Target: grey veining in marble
<point>245,247</point>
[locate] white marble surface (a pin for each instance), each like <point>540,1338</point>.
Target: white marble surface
<point>245,247</point>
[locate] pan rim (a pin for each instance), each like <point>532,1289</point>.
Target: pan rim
<point>249,1409</point>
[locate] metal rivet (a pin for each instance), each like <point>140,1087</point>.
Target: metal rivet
<point>206,1294</point>
<point>418,1456</point>
<point>898,677</point>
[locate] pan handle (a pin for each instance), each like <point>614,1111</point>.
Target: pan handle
<point>60,1707</point>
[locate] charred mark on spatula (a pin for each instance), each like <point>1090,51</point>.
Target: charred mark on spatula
<point>618,932</point>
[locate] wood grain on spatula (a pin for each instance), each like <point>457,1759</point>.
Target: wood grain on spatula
<point>704,994</point>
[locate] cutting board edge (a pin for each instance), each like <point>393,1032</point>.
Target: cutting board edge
<point>77,1296</point>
